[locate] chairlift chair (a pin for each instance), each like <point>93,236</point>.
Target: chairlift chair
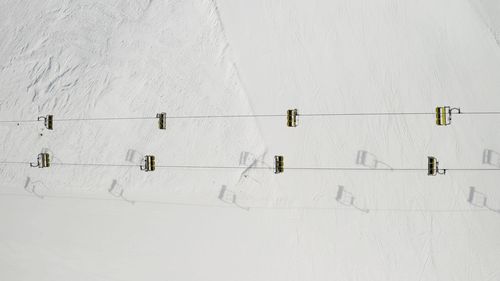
<point>443,115</point>
<point>279,165</point>
<point>433,167</point>
<point>162,120</point>
<point>48,121</point>
<point>291,117</point>
<point>149,163</point>
<point>43,161</point>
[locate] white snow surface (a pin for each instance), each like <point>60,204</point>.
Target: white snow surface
<point>134,58</point>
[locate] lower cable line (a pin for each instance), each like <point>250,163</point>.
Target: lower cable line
<point>199,167</point>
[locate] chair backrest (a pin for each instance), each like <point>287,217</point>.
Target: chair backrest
<point>149,163</point>
<point>291,118</point>
<point>438,116</point>
<point>441,118</point>
<point>443,115</point>
<point>432,167</point>
<point>43,160</point>
<point>162,120</point>
<point>279,164</point>
<point>49,122</point>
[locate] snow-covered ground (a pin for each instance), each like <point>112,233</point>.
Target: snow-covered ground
<point>135,58</point>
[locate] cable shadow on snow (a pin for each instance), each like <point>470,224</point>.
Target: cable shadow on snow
<point>268,208</point>
<point>475,198</point>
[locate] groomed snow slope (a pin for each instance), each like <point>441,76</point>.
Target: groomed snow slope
<point>133,58</point>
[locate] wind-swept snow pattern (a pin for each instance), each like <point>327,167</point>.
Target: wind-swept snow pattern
<point>489,10</point>
<point>212,208</point>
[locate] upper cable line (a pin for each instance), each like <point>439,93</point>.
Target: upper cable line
<point>443,111</point>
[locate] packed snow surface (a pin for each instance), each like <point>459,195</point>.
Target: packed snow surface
<point>88,59</point>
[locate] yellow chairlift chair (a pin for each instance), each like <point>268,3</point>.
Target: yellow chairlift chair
<point>279,165</point>
<point>149,163</point>
<point>48,121</point>
<point>443,115</point>
<point>162,120</point>
<point>291,117</point>
<point>43,161</point>
<point>433,167</point>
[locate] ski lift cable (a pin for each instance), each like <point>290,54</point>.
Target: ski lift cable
<point>19,121</point>
<point>244,167</point>
<point>104,119</point>
<point>252,116</point>
<point>480,112</point>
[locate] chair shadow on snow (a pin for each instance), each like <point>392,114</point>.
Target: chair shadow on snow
<point>346,198</point>
<point>117,191</point>
<point>491,157</point>
<point>228,196</point>
<point>33,187</point>
<point>479,199</point>
<point>134,156</point>
<point>250,161</point>
<point>369,160</point>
